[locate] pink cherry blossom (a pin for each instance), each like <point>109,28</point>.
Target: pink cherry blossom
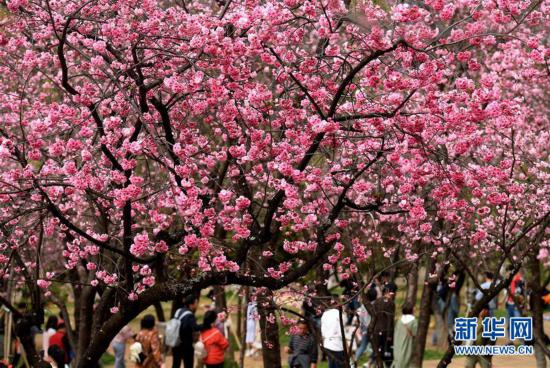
<point>43,284</point>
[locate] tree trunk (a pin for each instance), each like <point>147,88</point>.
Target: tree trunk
<point>160,312</point>
<point>23,331</point>
<point>475,310</point>
<point>343,334</point>
<point>221,306</point>
<point>219,298</point>
<point>90,354</point>
<point>534,284</point>
<point>239,316</point>
<point>99,342</point>
<point>320,277</point>
<point>64,313</point>
<point>412,284</point>
<point>271,349</point>
<point>394,258</point>
<point>423,318</point>
<point>242,323</point>
<point>86,321</point>
<point>176,304</point>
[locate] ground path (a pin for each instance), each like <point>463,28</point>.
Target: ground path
<point>498,362</point>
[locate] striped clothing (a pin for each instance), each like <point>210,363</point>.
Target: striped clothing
<point>303,351</point>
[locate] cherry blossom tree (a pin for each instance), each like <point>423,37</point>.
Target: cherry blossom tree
<point>152,149</point>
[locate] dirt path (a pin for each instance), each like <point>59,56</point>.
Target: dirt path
<point>498,362</point>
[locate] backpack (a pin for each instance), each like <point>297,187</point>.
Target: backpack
<point>172,334</point>
<point>200,348</point>
<point>136,353</point>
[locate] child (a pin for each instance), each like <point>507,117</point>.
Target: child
<point>148,337</point>
<point>214,341</point>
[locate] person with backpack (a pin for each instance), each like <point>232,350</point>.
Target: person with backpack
<point>182,348</point>
<point>210,348</point>
<point>492,305</point>
<point>148,341</point>
<point>382,322</point>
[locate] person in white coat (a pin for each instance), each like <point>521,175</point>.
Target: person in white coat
<point>403,336</point>
<point>331,332</point>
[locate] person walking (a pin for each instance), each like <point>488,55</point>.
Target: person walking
<point>119,345</point>
<point>189,328</point>
<point>148,337</point>
<point>514,295</point>
<point>250,337</point>
<point>383,324</point>
<point>331,333</point>
<point>483,360</point>
<point>351,294</point>
<point>492,305</point>
<point>213,340</point>
<point>49,330</point>
<point>403,336</point>
<point>56,357</point>
<point>456,282</point>
<point>302,348</point>
<point>364,323</point>
<point>440,309</point>
<point>61,340</point>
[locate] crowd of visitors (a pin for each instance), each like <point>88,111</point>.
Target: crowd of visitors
<point>341,329</point>
<point>375,328</point>
<point>204,344</point>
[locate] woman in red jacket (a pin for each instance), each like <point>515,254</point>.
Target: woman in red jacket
<point>214,341</point>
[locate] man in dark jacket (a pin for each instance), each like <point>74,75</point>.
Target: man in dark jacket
<point>302,349</point>
<point>382,325</point>
<point>188,329</point>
